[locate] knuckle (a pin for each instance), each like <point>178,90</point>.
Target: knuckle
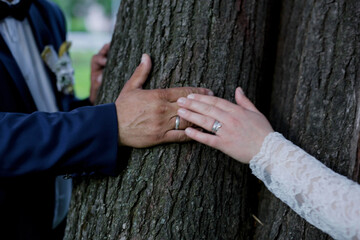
<point>185,91</point>
<point>212,142</point>
<point>200,90</point>
<point>96,57</point>
<point>158,126</point>
<point>203,122</point>
<point>209,108</point>
<point>189,90</point>
<point>137,71</point>
<point>182,137</point>
<point>157,138</point>
<point>233,121</point>
<point>158,133</point>
<point>217,102</point>
<point>161,109</point>
<point>179,137</point>
<point>163,94</point>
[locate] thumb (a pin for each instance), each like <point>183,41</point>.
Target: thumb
<point>243,101</point>
<point>140,75</point>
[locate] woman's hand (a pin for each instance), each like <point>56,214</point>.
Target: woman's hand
<point>243,127</point>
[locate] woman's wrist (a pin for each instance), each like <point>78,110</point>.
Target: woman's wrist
<point>262,145</point>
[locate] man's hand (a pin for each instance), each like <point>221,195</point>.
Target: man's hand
<point>98,63</point>
<point>147,117</point>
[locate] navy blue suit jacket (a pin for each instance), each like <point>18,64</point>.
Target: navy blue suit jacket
<point>35,146</point>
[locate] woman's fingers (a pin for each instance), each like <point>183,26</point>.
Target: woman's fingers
<point>202,121</point>
<point>173,94</point>
<point>240,98</point>
<point>214,101</point>
<point>205,138</point>
<point>202,108</point>
<point>242,128</point>
<point>243,101</point>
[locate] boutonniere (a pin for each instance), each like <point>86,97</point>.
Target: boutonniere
<point>60,65</point>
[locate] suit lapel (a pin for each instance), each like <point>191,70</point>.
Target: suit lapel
<point>40,31</point>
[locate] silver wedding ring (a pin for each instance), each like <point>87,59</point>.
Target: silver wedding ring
<point>177,123</point>
<point>217,125</point>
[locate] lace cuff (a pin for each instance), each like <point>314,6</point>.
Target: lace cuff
<point>329,201</point>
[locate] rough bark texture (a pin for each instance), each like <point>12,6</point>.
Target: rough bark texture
<point>315,100</point>
<point>178,191</point>
<point>188,191</point>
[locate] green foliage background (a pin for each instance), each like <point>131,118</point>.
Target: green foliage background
<point>81,64</point>
<point>75,11</point>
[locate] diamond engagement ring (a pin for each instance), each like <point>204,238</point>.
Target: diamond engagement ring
<point>217,125</point>
<point>177,123</point>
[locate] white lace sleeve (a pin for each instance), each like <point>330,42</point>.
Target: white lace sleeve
<point>328,200</point>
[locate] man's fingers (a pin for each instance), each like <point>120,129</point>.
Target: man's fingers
<point>181,122</point>
<point>175,136</point>
<point>99,79</point>
<point>173,94</point>
<point>140,75</point>
<point>100,60</point>
<point>105,49</point>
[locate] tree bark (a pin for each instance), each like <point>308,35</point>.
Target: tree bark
<point>315,100</point>
<point>179,191</point>
<point>189,191</point>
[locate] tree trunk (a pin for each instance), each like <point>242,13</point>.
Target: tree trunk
<point>315,100</point>
<point>179,191</point>
<point>189,191</point>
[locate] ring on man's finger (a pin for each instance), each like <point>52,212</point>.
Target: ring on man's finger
<point>177,122</point>
<point>216,126</point>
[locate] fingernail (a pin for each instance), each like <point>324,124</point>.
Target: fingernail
<point>181,100</point>
<point>143,58</point>
<point>99,79</point>
<point>210,93</point>
<point>181,111</point>
<point>191,96</point>
<point>240,90</point>
<point>188,130</point>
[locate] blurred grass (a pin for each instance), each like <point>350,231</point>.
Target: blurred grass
<point>78,25</point>
<point>81,63</point>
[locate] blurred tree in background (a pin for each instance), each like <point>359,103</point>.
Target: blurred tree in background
<point>76,11</point>
<point>90,25</point>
